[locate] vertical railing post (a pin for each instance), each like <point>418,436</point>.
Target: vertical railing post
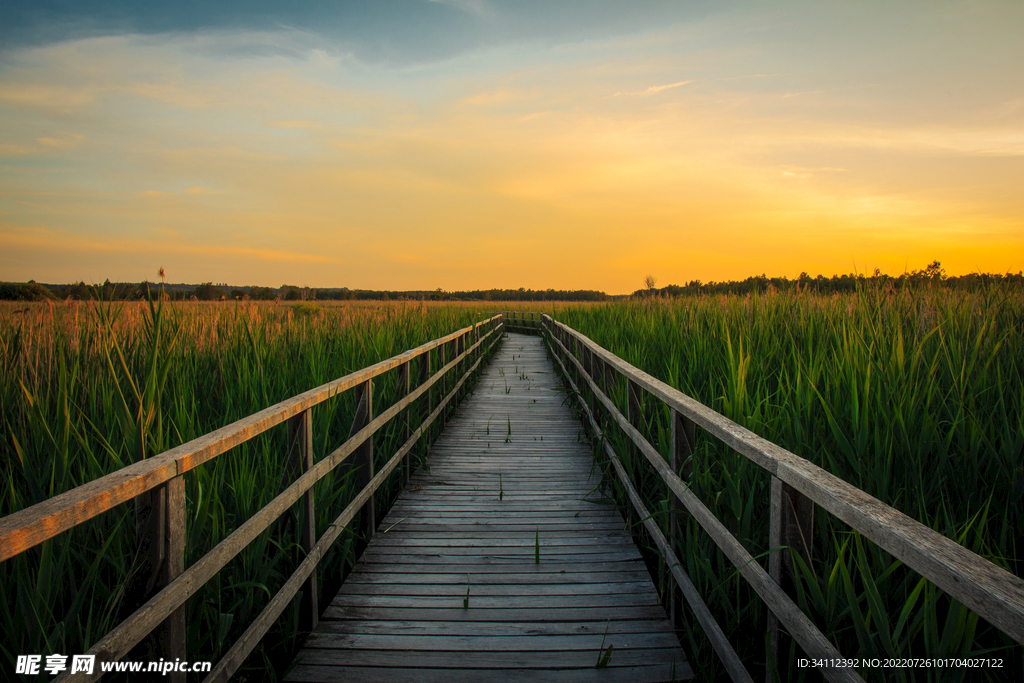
<point>462,364</point>
<point>683,440</point>
<point>174,627</point>
<point>588,368</point>
<point>160,528</point>
<point>790,533</point>
<point>403,391</point>
<point>300,461</point>
<point>635,416</point>
<point>362,458</point>
<point>476,341</point>
<point>611,379</point>
<point>443,361</point>
<point>424,406</point>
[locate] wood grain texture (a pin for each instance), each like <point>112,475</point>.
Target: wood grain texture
<point>509,480</point>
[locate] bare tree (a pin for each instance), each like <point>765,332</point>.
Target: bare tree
<point>650,281</point>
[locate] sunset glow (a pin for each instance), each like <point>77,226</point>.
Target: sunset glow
<point>474,144</point>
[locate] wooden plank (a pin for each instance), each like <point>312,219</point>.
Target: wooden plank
<point>503,567</point>
<point>580,580</point>
<point>486,510</point>
<point>461,581</point>
<point>493,659</point>
<point>412,674</point>
<point>488,643</point>
<point>576,614</point>
<point>532,629</point>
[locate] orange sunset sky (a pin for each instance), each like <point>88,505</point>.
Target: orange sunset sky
<point>469,144</point>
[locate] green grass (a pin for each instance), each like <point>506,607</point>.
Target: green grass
<point>916,397</point>
<point>88,389</point>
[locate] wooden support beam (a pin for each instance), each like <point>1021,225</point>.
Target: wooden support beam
<point>423,408</point>
<point>683,439</point>
<point>403,391</point>
<point>635,415</point>
<point>790,534</point>
<point>362,459</point>
<point>300,459</point>
<point>160,529</point>
<point>443,386</point>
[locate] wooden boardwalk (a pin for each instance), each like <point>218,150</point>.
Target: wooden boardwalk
<point>510,480</point>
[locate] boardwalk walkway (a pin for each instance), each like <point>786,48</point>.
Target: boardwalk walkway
<point>508,481</point>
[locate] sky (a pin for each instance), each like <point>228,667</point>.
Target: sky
<point>471,144</point>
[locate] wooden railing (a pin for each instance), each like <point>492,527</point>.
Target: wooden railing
<point>158,484</point>
<point>796,486</point>
<point>522,321</point>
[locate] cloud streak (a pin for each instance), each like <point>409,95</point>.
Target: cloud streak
<point>653,90</point>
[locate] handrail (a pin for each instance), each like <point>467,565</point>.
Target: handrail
<point>26,528</point>
<point>31,526</point>
<point>994,593</point>
<point>518,319</point>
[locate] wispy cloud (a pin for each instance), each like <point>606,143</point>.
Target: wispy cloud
<point>61,140</point>
<point>55,242</point>
<point>654,89</point>
<point>477,7</point>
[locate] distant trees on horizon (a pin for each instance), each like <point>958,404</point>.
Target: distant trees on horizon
<point>932,275</point>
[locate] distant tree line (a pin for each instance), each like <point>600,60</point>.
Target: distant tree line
<point>932,275</point>
<point>208,291</point>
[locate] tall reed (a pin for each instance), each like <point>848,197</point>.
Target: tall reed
<point>916,397</point>
<point>87,388</point>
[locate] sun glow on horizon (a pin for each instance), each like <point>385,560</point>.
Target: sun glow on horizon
<point>708,149</point>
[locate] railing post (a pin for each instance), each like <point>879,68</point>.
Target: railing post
<point>160,527</point>
<point>683,440</point>
<point>362,458</point>
<point>403,391</point>
<point>588,361</point>
<point>460,349</point>
<point>442,351</point>
<point>424,406</point>
<point>790,531</point>
<point>634,414</point>
<point>174,627</point>
<point>300,459</point>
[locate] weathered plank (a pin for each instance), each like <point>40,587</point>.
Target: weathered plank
<point>413,674</point>
<point>509,479</point>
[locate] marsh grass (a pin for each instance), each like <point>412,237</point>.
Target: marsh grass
<point>87,388</point>
<point>916,397</point>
